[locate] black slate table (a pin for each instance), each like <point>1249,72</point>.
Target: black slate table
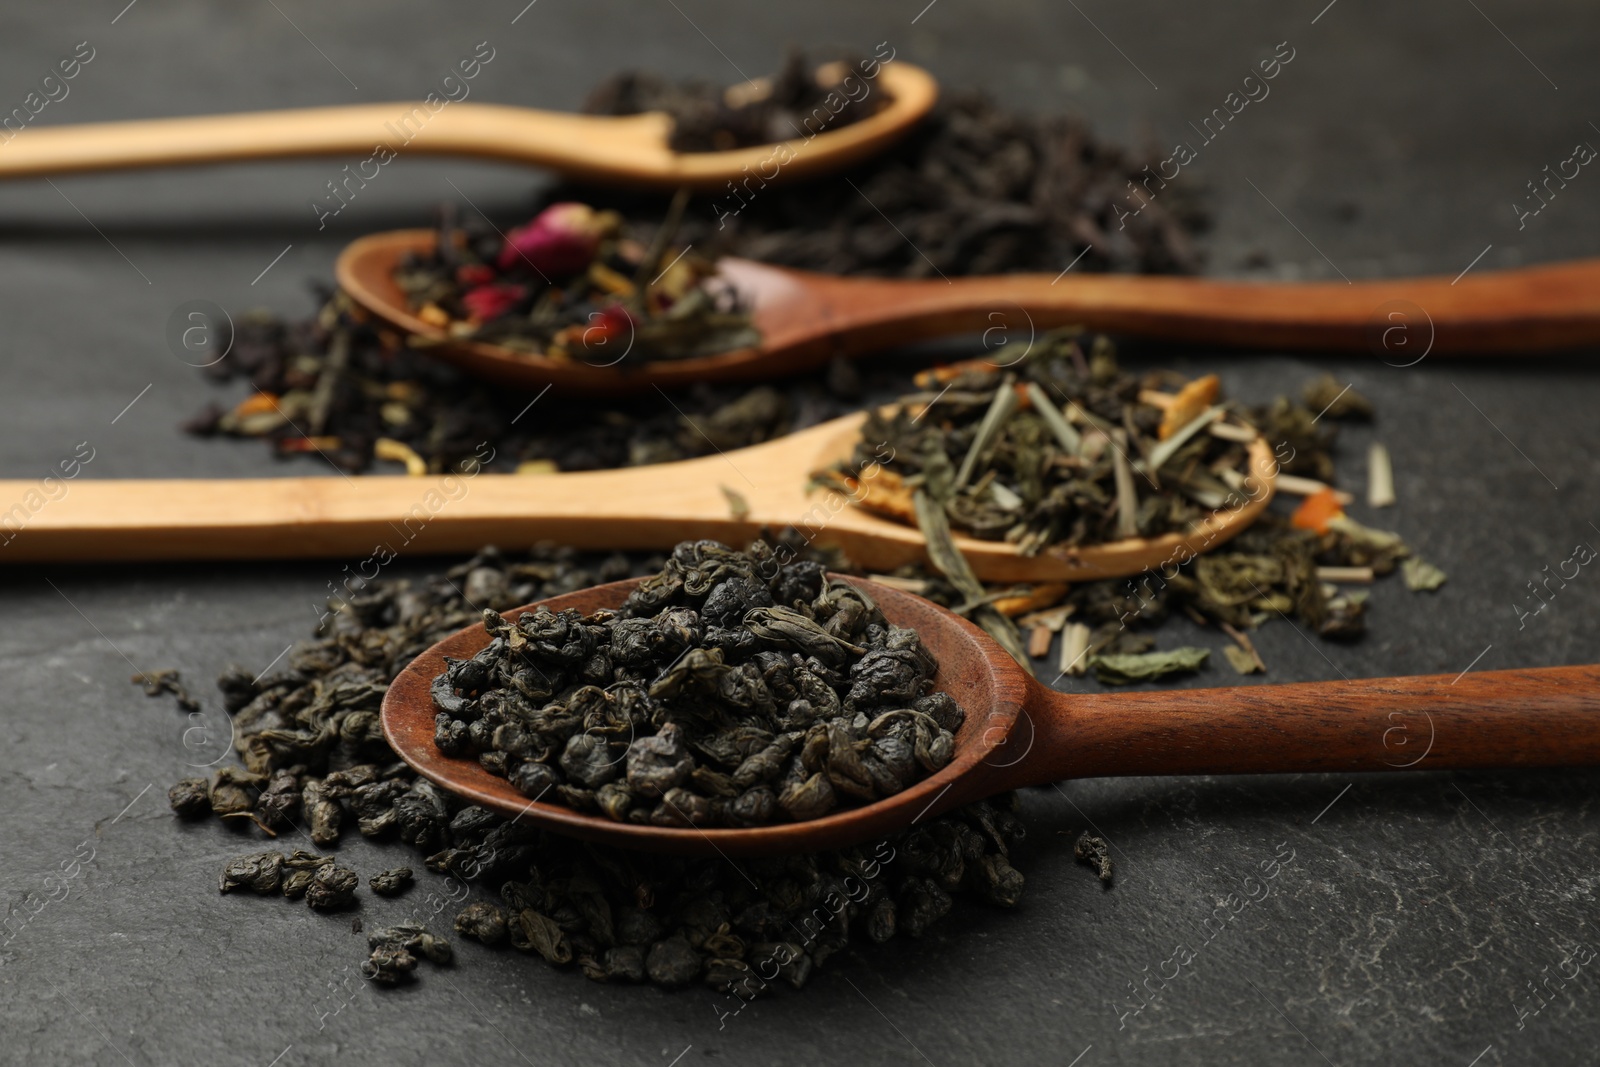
<point>1409,918</point>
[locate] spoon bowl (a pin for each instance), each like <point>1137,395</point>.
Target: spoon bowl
<point>625,150</point>
<point>991,694</point>
<point>1020,733</point>
<point>806,319</point>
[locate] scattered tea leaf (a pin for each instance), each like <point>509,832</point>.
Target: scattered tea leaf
<point>1094,851</point>
<point>1334,399</point>
<point>949,561</point>
<point>1126,668</point>
<point>1242,651</point>
<point>738,506</point>
<point>1420,575</point>
<point>1242,661</point>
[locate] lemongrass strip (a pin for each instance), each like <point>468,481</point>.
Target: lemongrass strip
<point>1156,399</point>
<point>1165,450</point>
<point>1063,430</point>
<point>1127,498</point>
<point>1363,575</point>
<point>1229,432</point>
<point>1000,409</point>
<point>1052,619</point>
<point>1380,477</point>
<point>905,585</point>
<point>1074,646</point>
<point>1293,483</point>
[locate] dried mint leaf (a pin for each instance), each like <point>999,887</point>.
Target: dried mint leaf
<point>1240,660</point>
<point>1420,575</point>
<point>1126,668</point>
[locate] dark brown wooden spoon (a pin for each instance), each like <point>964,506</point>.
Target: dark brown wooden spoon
<point>1020,733</point>
<point>807,319</point>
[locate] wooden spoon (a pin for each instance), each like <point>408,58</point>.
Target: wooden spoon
<point>1019,733</point>
<point>374,519</point>
<point>630,150</point>
<point>806,319</point>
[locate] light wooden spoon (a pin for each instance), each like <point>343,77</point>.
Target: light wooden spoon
<point>376,518</point>
<point>1019,733</point>
<point>806,319</point>
<point>628,150</point>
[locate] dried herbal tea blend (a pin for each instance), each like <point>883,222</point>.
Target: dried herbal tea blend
<point>709,118</point>
<point>343,389</point>
<point>315,763</point>
<point>1061,449</point>
<point>730,689</point>
<point>567,286</point>
<point>1311,565</point>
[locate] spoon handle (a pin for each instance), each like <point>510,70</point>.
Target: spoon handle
<point>731,496</point>
<point>1535,308</point>
<point>1540,717</point>
<point>375,517</point>
<point>377,133</point>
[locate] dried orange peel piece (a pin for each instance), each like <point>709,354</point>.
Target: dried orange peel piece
<point>434,315</point>
<point>946,373</point>
<point>1317,511</point>
<point>1190,403</point>
<point>1038,598</point>
<point>256,404</point>
<point>879,491</point>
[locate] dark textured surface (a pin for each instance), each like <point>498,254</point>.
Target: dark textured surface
<point>1415,912</point>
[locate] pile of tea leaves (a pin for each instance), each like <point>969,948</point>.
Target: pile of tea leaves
<point>314,767</point>
<point>729,689</point>
<point>566,286</point>
<point>975,188</point>
<point>710,118</point>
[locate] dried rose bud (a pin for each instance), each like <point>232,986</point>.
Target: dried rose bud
<point>560,241</point>
<point>607,324</point>
<point>474,274</point>
<point>488,302</point>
